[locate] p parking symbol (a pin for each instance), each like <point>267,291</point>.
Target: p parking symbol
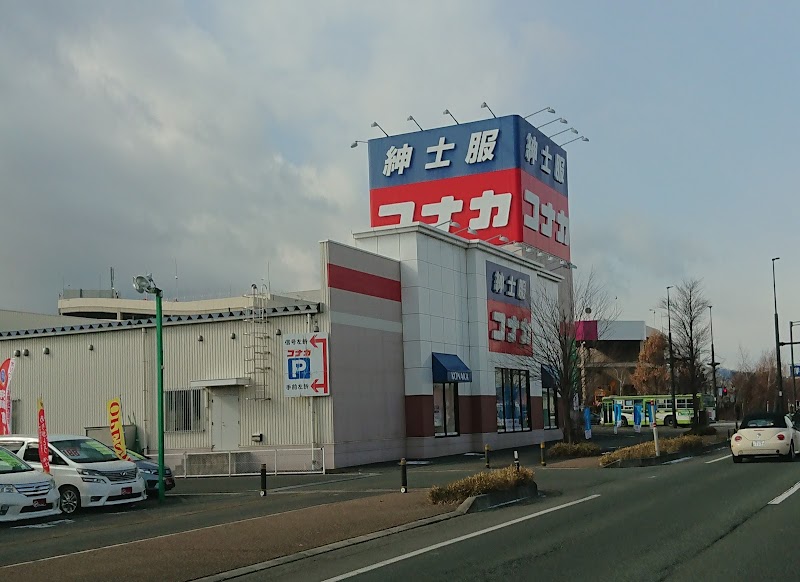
<point>299,368</point>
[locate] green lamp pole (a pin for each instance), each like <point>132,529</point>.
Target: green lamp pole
<point>147,285</point>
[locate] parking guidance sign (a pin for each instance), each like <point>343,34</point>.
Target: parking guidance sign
<point>305,364</point>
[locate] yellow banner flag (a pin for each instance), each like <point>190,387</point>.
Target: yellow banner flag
<point>117,431</point>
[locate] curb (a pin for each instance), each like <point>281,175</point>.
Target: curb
<point>499,498</point>
<point>663,459</point>
<point>253,568</point>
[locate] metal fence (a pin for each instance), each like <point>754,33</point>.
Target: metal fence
<point>230,463</point>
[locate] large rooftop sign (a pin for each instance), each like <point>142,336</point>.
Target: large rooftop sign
<point>495,176</point>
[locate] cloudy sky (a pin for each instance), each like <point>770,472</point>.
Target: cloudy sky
<point>215,136</point>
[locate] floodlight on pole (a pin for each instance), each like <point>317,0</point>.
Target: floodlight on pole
<point>557,120</point>
<point>447,112</point>
<point>484,105</point>
<point>355,143</point>
<point>145,284</point>
<point>376,124</point>
<point>411,118</point>
<point>572,129</point>
<point>582,138</point>
<point>502,238</point>
<point>471,231</point>
<point>548,109</point>
<point>447,224</point>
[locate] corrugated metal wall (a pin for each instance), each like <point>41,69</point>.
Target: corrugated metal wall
<point>76,382</point>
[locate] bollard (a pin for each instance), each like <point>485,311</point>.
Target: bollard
<point>263,480</point>
<point>403,476</point>
<point>516,461</point>
<point>541,448</point>
<point>486,455</point>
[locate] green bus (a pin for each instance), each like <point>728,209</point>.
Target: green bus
<point>683,409</point>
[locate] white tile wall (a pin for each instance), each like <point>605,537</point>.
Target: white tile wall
<point>419,380</point>
<point>437,328</point>
<point>408,246</point>
<point>410,298</point>
<point>416,353</point>
<point>389,246</point>
<point>434,276</point>
<point>436,301</point>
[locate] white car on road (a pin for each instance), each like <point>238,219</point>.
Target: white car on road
<point>25,493</point>
<point>87,472</point>
<point>765,434</point>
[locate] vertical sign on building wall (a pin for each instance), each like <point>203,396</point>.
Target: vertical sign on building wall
<point>305,364</point>
<point>496,176</point>
<point>509,310</point>
<point>6,373</point>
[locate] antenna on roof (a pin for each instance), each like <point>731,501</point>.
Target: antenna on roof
<point>176,279</point>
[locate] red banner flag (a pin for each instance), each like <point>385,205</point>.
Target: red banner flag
<point>44,447</point>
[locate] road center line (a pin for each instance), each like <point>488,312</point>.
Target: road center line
<point>720,459</point>
<point>458,539</point>
<point>785,495</point>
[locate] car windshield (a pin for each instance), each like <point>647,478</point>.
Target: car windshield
<point>85,451</point>
<point>764,421</point>
<point>11,463</point>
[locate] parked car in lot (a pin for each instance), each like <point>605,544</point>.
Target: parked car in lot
<point>765,434</point>
<point>87,472</point>
<point>149,471</point>
<point>25,493</point>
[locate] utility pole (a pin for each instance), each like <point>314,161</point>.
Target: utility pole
<point>779,403</point>
<point>671,363</point>
<point>714,364</point>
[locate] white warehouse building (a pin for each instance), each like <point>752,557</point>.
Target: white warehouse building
<point>425,355</point>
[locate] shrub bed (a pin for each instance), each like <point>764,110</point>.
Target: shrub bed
<point>703,431</point>
<point>574,450</point>
<point>484,482</point>
<point>648,450</point>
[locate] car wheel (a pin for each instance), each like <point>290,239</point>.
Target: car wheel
<point>70,499</point>
<point>670,422</point>
<point>790,455</point>
<point>737,459</point>
<point>624,421</point>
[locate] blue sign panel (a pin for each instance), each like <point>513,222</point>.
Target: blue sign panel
<point>479,147</point>
<point>299,368</point>
<point>507,285</point>
<point>795,371</point>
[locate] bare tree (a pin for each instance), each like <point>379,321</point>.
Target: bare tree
<point>690,335</point>
<point>558,325</point>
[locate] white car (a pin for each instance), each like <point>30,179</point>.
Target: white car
<point>765,434</point>
<point>25,493</point>
<point>87,472</point>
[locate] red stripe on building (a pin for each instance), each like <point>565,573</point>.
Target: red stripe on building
<point>363,283</point>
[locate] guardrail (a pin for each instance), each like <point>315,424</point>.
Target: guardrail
<point>230,463</point>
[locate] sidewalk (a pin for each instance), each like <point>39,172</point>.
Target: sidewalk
<point>204,552</point>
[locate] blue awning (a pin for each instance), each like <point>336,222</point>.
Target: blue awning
<point>450,368</point>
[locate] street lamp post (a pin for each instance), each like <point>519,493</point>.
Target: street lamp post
<point>145,284</point>
<point>714,362</point>
<point>671,363</point>
<point>794,377</point>
<point>779,406</point>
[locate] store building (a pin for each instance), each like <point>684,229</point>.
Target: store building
<point>417,343</point>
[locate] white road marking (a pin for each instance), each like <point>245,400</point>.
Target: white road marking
<point>720,459</point>
<point>43,525</point>
<point>681,460</point>
<point>786,494</point>
<point>458,539</point>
